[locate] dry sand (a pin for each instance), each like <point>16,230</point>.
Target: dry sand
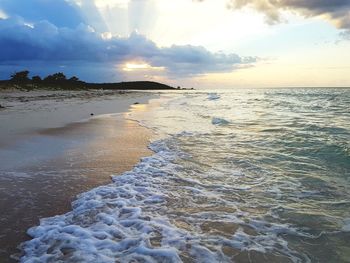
<point>47,157</point>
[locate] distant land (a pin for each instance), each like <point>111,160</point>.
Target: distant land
<point>21,80</point>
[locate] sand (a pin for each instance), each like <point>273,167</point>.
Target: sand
<point>52,149</point>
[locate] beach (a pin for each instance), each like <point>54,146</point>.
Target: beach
<point>161,131</point>
<point>52,148</point>
<point>249,175</point>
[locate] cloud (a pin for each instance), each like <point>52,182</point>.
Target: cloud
<point>337,11</point>
<point>59,12</point>
<point>46,44</point>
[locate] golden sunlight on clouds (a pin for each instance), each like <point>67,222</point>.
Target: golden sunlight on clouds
<point>106,35</point>
<point>133,66</point>
<point>138,66</point>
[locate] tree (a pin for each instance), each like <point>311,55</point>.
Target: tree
<point>57,77</point>
<point>74,79</point>
<point>21,76</point>
<point>36,79</point>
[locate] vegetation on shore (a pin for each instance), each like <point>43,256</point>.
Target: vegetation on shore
<point>21,80</point>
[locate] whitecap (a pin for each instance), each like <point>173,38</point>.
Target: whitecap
<point>219,121</point>
<point>213,96</point>
<point>346,226</point>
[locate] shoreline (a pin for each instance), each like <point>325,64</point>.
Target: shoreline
<point>58,81</point>
<point>27,112</point>
<point>43,170</point>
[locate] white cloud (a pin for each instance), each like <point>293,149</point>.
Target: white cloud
<point>3,15</point>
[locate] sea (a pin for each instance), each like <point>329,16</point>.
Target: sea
<point>237,175</point>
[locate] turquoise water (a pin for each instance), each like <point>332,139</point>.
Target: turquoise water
<point>237,176</point>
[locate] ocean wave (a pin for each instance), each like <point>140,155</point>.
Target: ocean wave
<point>273,188</point>
<point>219,121</point>
<point>116,221</point>
<point>213,96</point>
<point>346,227</point>
<point>131,220</point>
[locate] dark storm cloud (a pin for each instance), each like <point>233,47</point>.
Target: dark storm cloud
<point>338,11</point>
<point>46,43</point>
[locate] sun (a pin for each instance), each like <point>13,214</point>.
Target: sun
<point>140,66</point>
<point>130,66</point>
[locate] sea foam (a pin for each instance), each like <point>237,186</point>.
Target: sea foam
<point>219,121</point>
<point>129,220</point>
<point>213,96</point>
<point>121,220</point>
<point>211,194</point>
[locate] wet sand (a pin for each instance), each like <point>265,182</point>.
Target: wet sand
<point>53,165</point>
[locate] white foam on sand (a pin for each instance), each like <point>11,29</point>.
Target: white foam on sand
<point>129,220</point>
<point>116,221</point>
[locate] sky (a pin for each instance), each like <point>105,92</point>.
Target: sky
<point>188,43</point>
